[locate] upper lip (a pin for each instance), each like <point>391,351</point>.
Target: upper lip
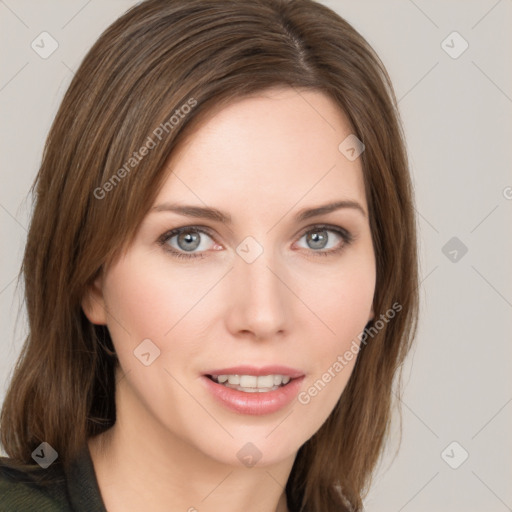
<point>257,371</point>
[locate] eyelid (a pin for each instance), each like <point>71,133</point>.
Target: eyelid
<point>178,230</point>
<point>328,227</point>
<point>165,237</point>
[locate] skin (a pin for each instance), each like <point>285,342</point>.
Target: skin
<point>261,159</point>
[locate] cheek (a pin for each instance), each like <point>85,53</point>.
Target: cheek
<point>135,306</point>
<point>342,301</point>
<point>147,318</point>
<point>143,300</point>
<point>147,301</point>
<point>344,304</point>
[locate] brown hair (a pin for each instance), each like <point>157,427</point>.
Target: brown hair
<point>158,57</point>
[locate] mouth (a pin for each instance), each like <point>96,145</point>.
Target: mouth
<point>251,379</point>
<point>252,383</point>
<point>254,391</point>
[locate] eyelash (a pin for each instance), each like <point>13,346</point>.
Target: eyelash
<point>347,237</point>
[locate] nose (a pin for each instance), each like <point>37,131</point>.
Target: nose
<point>258,300</point>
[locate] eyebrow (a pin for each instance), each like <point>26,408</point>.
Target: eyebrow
<point>219,216</point>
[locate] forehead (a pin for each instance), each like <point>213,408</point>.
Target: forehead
<point>269,150</point>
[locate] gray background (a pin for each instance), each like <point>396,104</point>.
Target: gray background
<point>458,123</point>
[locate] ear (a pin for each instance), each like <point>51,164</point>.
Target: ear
<point>93,303</point>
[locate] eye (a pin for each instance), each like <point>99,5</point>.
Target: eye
<point>188,239</point>
<point>320,237</point>
<point>186,242</point>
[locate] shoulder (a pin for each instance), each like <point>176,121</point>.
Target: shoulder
<point>25,489</point>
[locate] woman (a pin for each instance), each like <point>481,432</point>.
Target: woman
<point>220,272</point>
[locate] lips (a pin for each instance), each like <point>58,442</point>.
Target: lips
<point>254,403</point>
<point>256,371</point>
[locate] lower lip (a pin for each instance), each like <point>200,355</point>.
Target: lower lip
<point>254,403</point>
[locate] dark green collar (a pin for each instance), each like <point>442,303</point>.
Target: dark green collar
<point>82,485</point>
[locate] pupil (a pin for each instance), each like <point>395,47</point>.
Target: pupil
<point>189,237</point>
<point>318,239</point>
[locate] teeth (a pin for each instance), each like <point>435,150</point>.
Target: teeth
<point>249,381</point>
<point>234,379</point>
<point>252,383</point>
<point>264,381</point>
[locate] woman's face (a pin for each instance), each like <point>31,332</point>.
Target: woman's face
<point>266,293</point>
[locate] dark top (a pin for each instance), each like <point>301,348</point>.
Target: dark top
<point>73,491</point>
